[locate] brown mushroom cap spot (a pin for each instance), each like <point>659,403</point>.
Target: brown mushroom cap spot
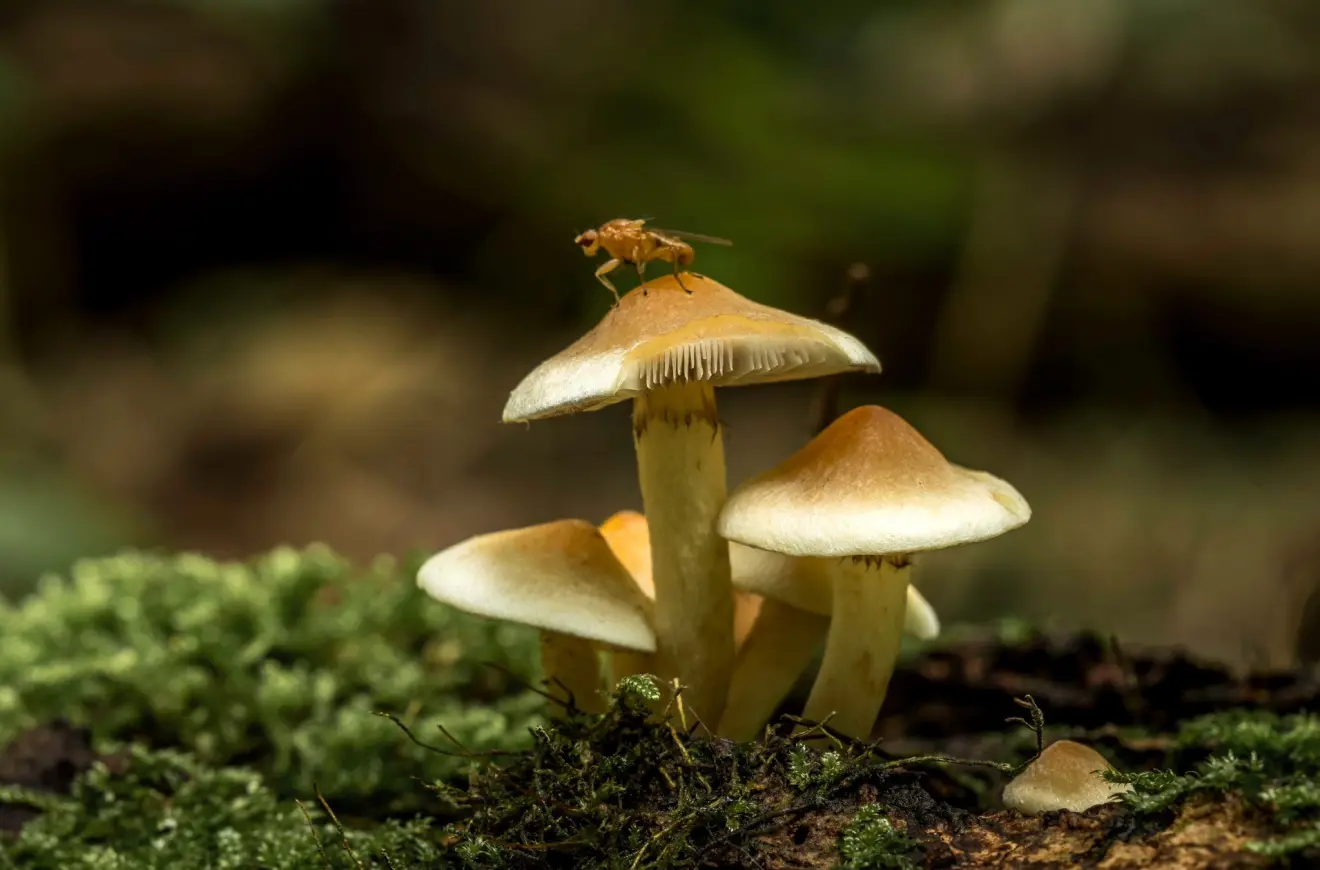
<point>1064,777</point>
<point>869,484</point>
<point>659,334</point>
<point>560,577</point>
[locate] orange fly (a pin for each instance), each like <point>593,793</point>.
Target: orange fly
<point>629,242</point>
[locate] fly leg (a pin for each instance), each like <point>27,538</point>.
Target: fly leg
<point>641,275</point>
<point>608,266</point>
<point>679,278</point>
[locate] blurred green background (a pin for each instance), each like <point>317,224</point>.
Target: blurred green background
<point>268,271</point>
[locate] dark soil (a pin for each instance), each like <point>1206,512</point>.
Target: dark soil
<point>47,759</point>
<point>1081,681</point>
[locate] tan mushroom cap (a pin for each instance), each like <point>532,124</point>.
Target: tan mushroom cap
<point>630,539</point>
<point>807,583</point>
<point>558,576</point>
<point>1064,777</point>
<point>664,335</point>
<point>869,484</point>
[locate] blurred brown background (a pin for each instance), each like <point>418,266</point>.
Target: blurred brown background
<point>271,268</point>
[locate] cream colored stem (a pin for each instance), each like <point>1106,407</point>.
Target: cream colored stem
<point>680,463</point>
<point>870,597</point>
<point>776,651</point>
<point>629,664</point>
<point>571,666</point>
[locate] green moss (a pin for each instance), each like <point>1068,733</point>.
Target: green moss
<point>165,811</point>
<point>1272,762</point>
<point>279,664</point>
<point>872,842</point>
<point>268,675</point>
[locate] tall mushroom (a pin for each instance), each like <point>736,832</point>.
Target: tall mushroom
<point>867,492</point>
<point>798,597</point>
<point>560,577</point>
<point>667,347</point>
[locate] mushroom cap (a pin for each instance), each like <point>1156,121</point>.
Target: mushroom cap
<point>805,582</point>
<point>868,485</point>
<point>558,576</point>
<point>629,537</point>
<point>659,334</point>
<point>1064,777</point>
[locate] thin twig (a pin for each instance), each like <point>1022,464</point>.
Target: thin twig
<point>822,726</point>
<point>1036,725</point>
<point>838,312</point>
<point>465,753</point>
<point>316,838</point>
<point>521,681</point>
<point>348,847</point>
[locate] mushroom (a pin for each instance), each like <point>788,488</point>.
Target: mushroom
<point>781,613</point>
<point>667,347</point>
<point>560,577</point>
<point>1066,776</point>
<point>794,619</point>
<point>629,537</point>
<point>867,492</point>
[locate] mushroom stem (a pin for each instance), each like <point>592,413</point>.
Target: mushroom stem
<point>680,464</point>
<point>571,669</point>
<point>626,663</point>
<point>870,598</point>
<point>776,651</point>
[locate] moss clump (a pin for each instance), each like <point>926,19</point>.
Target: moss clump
<point>278,664</point>
<point>872,842</point>
<point>163,810</point>
<point>621,791</point>
<point>1272,762</point>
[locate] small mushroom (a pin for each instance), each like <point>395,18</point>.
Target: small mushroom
<point>794,619</point>
<point>560,577</point>
<point>629,537</point>
<point>667,347</point>
<point>1066,776</point>
<point>867,492</point>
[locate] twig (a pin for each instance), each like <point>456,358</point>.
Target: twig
<point>811,727</point>
<point>316,838</point>
<point>465,753</point>
<point>571,703</point>
<point>348,847</point>
<point>1036,725</point>
<point>838,312</point>
<point>549,696</point>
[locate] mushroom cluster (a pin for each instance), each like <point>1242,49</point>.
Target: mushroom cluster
<point>731,595</point>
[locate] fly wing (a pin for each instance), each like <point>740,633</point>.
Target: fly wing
<point>692,237</point>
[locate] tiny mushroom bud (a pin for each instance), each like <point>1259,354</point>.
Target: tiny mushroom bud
<point>867,492</point>
<point>560,577</point>
<point>666,347</point>
<point>1066,776</point>
<point>798,599</point>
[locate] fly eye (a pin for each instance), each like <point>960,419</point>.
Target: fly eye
<point>587,239</point>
